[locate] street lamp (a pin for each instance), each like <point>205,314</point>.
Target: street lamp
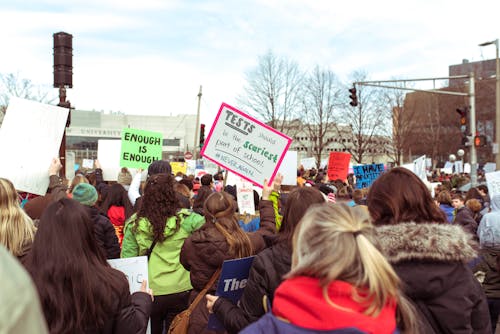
<point>497,103</point>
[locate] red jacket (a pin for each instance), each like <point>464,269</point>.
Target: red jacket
<point>300,300</point>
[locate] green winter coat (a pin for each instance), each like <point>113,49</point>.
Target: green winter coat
<point>166,274</point>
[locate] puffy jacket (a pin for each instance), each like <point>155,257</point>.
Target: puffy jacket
<point>465,218</point>
<point>166,274</point>
<point>431,260</point>
<point>205,251</point>
<point>105,233</point>
<point>489,266</point>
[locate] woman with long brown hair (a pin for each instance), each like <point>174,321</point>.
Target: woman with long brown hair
<point>17,230</point>
<point>429,255</point>
<point>221,239</point>
<point>79,291</point>
<point>158,230</point>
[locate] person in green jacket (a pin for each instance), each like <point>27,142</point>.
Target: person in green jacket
<point>160,220</point>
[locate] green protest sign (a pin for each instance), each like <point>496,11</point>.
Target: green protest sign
<point>140,148</point>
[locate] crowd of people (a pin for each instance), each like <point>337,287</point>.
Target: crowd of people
<point>328,257</point>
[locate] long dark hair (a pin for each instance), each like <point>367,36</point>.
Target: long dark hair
<point>297,203</point>
<point>200,198</point>
<point>400,196</point>
<point>117,196</point>
<point>159,203</point>
<point>220,209</point>
<point>77,287</point>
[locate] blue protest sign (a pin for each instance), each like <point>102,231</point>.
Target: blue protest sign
<point>232,282</point>
<point>366,174</point>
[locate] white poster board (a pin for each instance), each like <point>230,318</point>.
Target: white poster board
<point>108,154</point>
<point>459,167</point>
<point>30,138</point>
<point>70,165</point>
<point>245,146</point>
<point>490,167</point>
<point>88,163</point>
<point>493,182</point>
<point>467,168</point>
<point>288,168</point>
<point>244,194</point>
<point>419,168</point>
<point>136,270</point>
<point>308,163</point>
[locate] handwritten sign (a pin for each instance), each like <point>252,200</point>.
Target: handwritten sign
<point>232,282</point>
<point>308,163</point>
<point>244,194</point>
<point>140,148</point>
<point>366,174</point>
<point>178,167</point>
<point>245,146</point>
<point>30,138</point>
<point>338,165</point>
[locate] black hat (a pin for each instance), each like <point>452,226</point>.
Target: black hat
<point>159,167</point>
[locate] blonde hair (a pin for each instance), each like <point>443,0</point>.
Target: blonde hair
<point>337,242</point>
<point>220,209</point>
<point>16,227</point>
<point>77,180</point>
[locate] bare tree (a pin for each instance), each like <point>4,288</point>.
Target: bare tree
<point>366,121</point>
<point>13,85</point>
<point>321,92</point>
<point>272,91</point>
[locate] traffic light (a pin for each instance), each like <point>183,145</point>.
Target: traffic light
<point>480,141</point>
<point>202,135</point>
<point>353,96</point>
<point>463,112</point>
<point>63,60</point>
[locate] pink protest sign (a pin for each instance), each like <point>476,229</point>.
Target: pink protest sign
<point>245,146</point>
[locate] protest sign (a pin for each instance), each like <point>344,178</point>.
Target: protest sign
<point>366,174</point>
<point>88,163</point>
<point>136,270</point>
<point>178,167</point>
<point>493,182</point>
<point>70,165</point>
<point>490,167</point>
<point>419,168</point>
<point>108,154</point>
<point>308,163</point>
<point>191,167</point>
<point>244,195</point>
<point>288,168</point>
<point>232,282</point>
<point>338,165</point>
<point>467,168</point>
<point>245,146</point>
<point>30,138</point>
<point>140,148</point>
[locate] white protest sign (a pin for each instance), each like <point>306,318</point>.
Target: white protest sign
<point>419,168</point>
<point>288,168</point>
<point>244,194</point>
<point>191,167</point>
<point>459,166</point>
<point>490,167</point>
<point>493,182</point>
<point>136,270</point>
<point>108,154</point>
<point>30,138</point>
<point>88,163</point>
<point>467,168</point>
<point>245,146</point>
<point>308,163</point>
<point>70,165</point>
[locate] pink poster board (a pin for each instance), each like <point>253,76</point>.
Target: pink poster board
<point>338,165</point>
<point>245,146</point>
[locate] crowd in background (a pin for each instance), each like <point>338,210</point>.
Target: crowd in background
<point>328,257</point>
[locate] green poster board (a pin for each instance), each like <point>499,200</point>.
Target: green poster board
<point>140,148</point>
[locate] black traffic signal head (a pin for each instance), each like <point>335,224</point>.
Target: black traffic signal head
<point>63,59</point>
<point>353,97</point>
<point>480,141</point>
<point>202,135</point>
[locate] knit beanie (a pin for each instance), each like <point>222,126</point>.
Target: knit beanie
<point>85,193</point>
<point>159,167</point>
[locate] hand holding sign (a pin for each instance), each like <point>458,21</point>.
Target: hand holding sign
<point>211,299</point>
<point>268,188</point>
<point>144,288</point>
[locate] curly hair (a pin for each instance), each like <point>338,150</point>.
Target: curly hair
<point>159,203</point>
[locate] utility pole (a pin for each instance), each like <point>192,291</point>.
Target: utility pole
<point>197,128</point>
<point>473,153</point>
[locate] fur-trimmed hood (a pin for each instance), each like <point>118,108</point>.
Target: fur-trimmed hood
<point>426,241</point>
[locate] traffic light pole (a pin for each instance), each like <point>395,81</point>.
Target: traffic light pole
<point>196,128</point>
<point>473,152</point>
<point>472,102</point>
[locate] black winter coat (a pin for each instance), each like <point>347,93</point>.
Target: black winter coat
<point>465,218</point>
<point>431,260</point>
<point>105,233</point>
<point>266,274</point>
<point>205,251</point>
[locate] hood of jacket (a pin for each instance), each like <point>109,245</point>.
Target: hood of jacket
<point>426,241</point>
<point>495,203</point>
<point>170,225</point>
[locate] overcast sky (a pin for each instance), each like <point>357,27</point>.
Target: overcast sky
<point>151,56</point>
